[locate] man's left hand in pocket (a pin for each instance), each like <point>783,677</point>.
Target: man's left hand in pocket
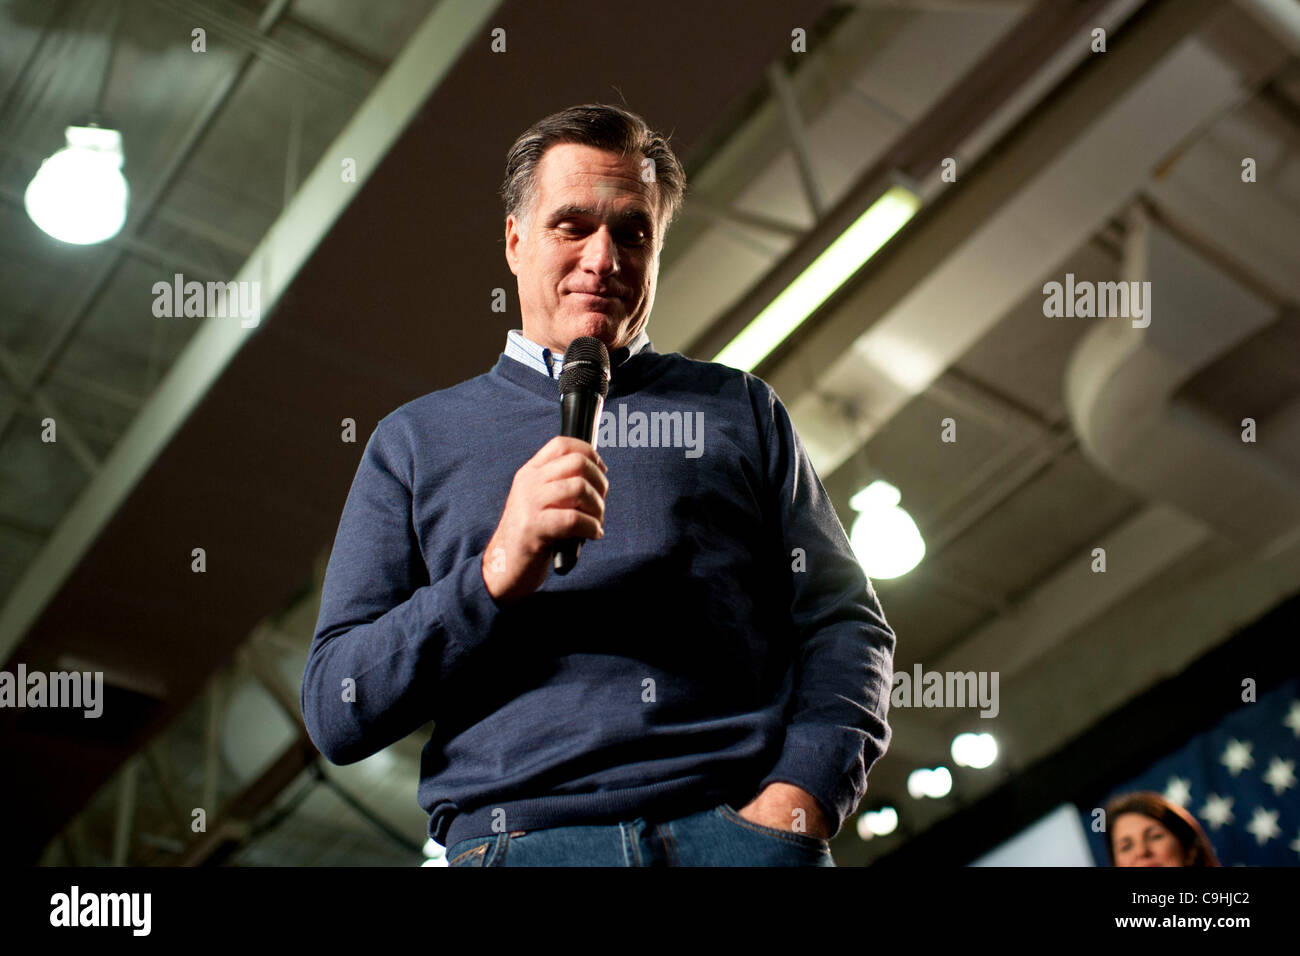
<point>775,807</point>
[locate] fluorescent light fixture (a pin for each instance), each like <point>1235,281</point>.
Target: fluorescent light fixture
<point>830,270</point>
<point>79,194</point>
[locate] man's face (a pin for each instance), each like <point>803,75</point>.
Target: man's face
<point>590,258</point>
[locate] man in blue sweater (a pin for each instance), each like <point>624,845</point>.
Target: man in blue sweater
<point>710,684</point>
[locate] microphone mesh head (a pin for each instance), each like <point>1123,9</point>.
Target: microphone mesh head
<point>586,366</point>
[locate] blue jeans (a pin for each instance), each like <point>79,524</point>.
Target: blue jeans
<point>717,837</point>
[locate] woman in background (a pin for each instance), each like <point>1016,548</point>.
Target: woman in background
<point>1145,829</point>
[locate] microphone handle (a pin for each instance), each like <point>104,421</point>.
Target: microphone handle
<point>579,412</point>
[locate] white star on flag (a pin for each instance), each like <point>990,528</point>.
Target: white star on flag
<point>1280,775</point>
<point>1236,757</point>
<point>1217,811</point>
<point>1292,719</point>
<point>1263,825</point>
<point>1179,791</point>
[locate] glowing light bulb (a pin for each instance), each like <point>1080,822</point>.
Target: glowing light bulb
<point>884,537</point>
<point>79,194</point>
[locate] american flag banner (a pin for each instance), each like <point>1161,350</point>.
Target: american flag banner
<point>1238,779</point>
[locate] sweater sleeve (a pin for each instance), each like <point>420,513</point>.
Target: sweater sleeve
<point>845,648</point>
<point>386,636</point>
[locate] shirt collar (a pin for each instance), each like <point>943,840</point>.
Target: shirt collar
<point>549,363</point>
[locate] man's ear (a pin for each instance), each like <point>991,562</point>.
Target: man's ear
<point>513,238</point>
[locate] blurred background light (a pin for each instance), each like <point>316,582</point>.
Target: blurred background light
<point>974,750</point>
<point>876,823</point>
<point>934,783</point>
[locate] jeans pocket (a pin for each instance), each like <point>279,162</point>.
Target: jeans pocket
<point>731,815</point>
<point>476,851</point>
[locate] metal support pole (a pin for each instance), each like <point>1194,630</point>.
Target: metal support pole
<point>158,767</point>
<point>125,811</point>
<point>798,138</point>
<point>293,154</point>
<point>211,733</point>
<point>263,668</point>
<point>38,400</point>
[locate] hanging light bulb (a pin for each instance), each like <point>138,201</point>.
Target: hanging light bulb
<point>79,194</point>
<point>884,537</point>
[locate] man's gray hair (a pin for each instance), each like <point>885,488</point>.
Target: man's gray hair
<point>604,127</point>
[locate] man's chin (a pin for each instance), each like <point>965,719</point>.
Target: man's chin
<point>598,325</point>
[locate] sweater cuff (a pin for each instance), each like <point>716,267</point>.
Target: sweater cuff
<point>821,759</point>
<point>468,614</point>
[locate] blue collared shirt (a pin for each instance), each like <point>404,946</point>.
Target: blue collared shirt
<point>549,363</point>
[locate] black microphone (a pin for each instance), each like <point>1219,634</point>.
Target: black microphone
<point>584,383</point>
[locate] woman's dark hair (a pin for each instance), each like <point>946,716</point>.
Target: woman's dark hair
<point>603,127</point>
<point>1196,848</point>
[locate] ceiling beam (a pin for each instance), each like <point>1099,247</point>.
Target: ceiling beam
<point>256,42</point>
<point>37,400</point>
<point>229,831</point>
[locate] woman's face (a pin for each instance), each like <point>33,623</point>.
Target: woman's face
<point>1141,841</point>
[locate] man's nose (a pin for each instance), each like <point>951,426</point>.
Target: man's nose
<point>600,254</point>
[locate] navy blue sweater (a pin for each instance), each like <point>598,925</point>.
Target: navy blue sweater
<point>718,638</point>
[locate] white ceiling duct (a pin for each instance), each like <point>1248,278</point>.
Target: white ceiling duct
<point>1122,385</point>
<point>1013,223</point>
